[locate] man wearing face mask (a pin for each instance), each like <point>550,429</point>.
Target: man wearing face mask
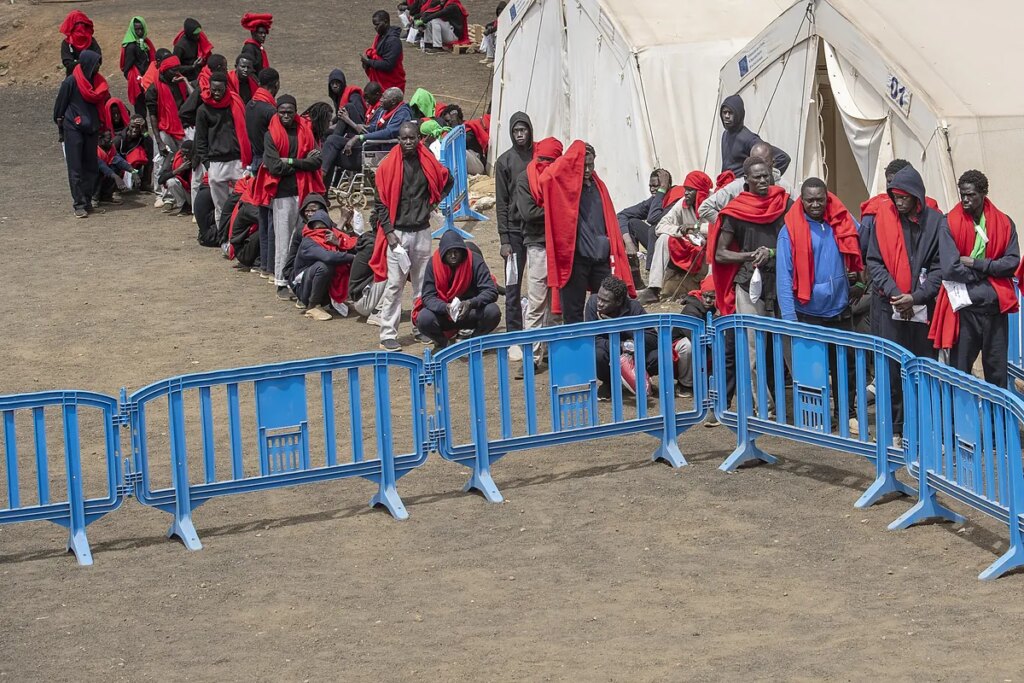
<point>222,143</point>
<point>458,294</point>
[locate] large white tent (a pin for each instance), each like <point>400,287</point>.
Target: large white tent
<point>638,79</point>
<point>845,86</point>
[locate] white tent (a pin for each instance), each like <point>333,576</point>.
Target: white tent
<point>845,86</point>
<point>638,79</point>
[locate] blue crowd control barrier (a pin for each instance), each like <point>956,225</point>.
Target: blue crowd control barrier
<point>569,390</point>
<point>456,204</point>
<point>279,418</point>
<point>1015,346</point>
<point>966,445</point>
<point>815,409</point>
<point>44,501</point>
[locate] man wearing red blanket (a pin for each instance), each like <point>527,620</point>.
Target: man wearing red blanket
<point>980,251</point>
<point>222,143</point>
<point>459,293</point>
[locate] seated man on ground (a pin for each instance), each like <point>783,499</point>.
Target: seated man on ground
<point>446,22</point>
<point>612,301</point>
<point>459,293</point>
<point>204,215</point>
<point>452,116</point>
<point>240,223</point>
<point>178,180</point>
<point>322,267</point>
<point>112,166</point>
<point>366,294</point>
<point>136,146</point>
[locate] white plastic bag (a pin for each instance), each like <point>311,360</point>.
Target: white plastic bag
<point>404,262</point>
<point>511,270</point>
<point>755,286</point>
<point>455,309</point>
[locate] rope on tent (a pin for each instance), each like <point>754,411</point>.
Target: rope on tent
<point>647,111</point>
<point>808,15</point>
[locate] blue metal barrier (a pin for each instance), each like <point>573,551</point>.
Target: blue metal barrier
<point>1015,348</point>
<point>571,393</point>
<point>966,446</point>
<point>73,510</point>
<point>813,410</point>
<point>456,204</point>
<point>281,425</point>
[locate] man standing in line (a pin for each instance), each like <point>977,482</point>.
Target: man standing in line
<point>979,252</point>
<point>510,165</point>
<point>258,26</point>
<point>382,61</point>
<point>410,183</point>
<point>222,142</point>
<point>258,113</point>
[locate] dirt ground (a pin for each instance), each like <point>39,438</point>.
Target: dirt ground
<point>599,565</point>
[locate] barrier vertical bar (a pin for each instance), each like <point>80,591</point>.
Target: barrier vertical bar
<point>77,541</point>
<point>669,448</point>
<point>615,374</point>
<point>355,414</point>
<point>456,204</point>
<point>746,449</point>
<point>42,463</point>
<point>780,378</point>
<point>206,424</point>
<point>640,370</point>
<point>387,494</point>
<point>235,428</point>
<point>330,434</point>
<point>481,479</point>
<point>885,472</point>
<point>182,526</point>
<point>503,394</point>
<point>529,393</point>
<point>11,458</point>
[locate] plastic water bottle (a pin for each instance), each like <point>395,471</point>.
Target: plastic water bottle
<point>922,277</point>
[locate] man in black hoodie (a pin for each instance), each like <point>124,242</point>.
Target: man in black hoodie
<point>456,295</point>
<point>510,165</point>
<point>905,270</point>
<point>78,127</point>
<point>737,139</point>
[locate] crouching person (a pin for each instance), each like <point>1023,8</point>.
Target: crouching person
<point>612,301</point>
<point>459,293</point>
<point>322,267</point>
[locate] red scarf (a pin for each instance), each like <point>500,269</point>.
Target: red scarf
<point>845,231</point>
<point>386,116</point>
<point>167,118</point>
<point>945,329</point>
<point>184,179</point>
<point>263,95</point>
<point>562,186</point>
<point>78,30</point>
<point>308,181</point>
<point>203,81</point>
<point>238,118</point>
<point>95,92</point>
<point>751,208</point>
<point>121,108</point>
<point>448,282</point>
<point>347,94</point>
<point>263,53</point>
<point>338,289</point>
<point>106,155</point>
<point>151,75</point>
<point>872,206</point>
<point>544,154</point>
<point>204,48</point>
<point>889,233</point>
<point>481,130</point>
<point>389,189</point>
<point>684,253</point>
<point>137,156</point>
<point>133,77</point>
<point>233,83</point>
<point>387,79</point>
<point>723,179</point>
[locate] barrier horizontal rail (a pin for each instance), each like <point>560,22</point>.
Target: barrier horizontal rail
<point>282,429</point>
<point>73,511</point>
<point>575,354</point>
<point>966,446</point>
<point>456,203</point>
<point>827,367</point>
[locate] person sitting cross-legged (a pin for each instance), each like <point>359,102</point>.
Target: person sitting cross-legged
<point>459,293</point>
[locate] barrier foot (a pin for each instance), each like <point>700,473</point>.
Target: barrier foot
<point>883,486</point>
<point>1012,559</point>
<point>669,452</point>
<point>926,508</point>
<point>388,498</point>
<point>186,532</point>
<point>79,545</point>
<point>744,453</point>
<point>482,482</point>
<point>458,231</point>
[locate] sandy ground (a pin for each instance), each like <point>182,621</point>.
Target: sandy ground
<point>599,565</point>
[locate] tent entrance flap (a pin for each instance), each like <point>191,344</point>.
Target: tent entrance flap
<point>850,139</point>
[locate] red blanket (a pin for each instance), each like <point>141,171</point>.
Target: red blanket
<point>845,231</point>
<point>134,78</point>
<point>231,99</point>
<point>871,206</point>
<point>205,46</point>
<point>308,181</point>
<point>389,189</point>
<point>684,253</point>
<point>78,30</point>
<point>338,289</point>
<point>945,329</point>
<point>233,82</point>
<point>167,119</point>
<point>891,244</point>
<point>95,92</point>
<point>448,284</point>
<point>387,79</point>
<point>745,207</point>
<point>481,130</point>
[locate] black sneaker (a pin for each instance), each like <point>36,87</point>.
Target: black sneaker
<point>81,213</point>
<point>284,294</point>
<point>648,296</point>
<point>422,338</point>
<point>391,345</point>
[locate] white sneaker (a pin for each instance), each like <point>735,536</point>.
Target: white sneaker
<point>159,202</point>
<point>515,353</point>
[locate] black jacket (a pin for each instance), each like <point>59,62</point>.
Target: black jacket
<point>450,13</point>
<point>70,109</point>
<point>979,288</point>
<point>255,55</point>
<point>481,290</point>
<point>736,143</point>
<point>922,247</point>
<point>632,308</point>
<point>390,50</point>
<point>215,135</point>
<point>257,122</point>
<point>273,160</point>
<point>137,57</point>
<point>530,215</point>
<point>187,50</point>
<point>507,169</point>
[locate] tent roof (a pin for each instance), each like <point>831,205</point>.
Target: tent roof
<point>650,23</point>
<point>965,65</point>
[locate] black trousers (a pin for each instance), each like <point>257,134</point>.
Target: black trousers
<point>83,166</point>
<point>481,320</point>
<point>642,233</point>
<point>139,105</point>
<point>316,285</point>
<point>585,275</point>
<point>105,188</point>
<point>604,365</point>
<point>911,336</point>
<point>513,293</point>
<point>843,321</point>
<point>987,334</point>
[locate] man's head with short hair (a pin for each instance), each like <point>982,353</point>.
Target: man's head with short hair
<point>659,178</point>
<point>758,175</point>
<point>973,186</point>
<point>452,115</point>
<point>218,85</point>
<point>270,80</point>
<point>611,297</point>
<point>187,146</point>
<point>136,126</point>
<point>894,167</point>
<point>814,198</point>
<point>287,108</point>
<point>243,66</point>
<point>763,150</point>
<point>106,138</point>
<point>372,93</point>
<point>391,98</point>
<point>408,138</point>
<point>381,21</point>
<point>217,62</point>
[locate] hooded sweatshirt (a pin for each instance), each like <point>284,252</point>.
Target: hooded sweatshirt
<point>921,232</point>
<point>507,169</point>
<point>71,106</point>
<point>187,49</point>
<point>737,141</point>
<point>481,288</point>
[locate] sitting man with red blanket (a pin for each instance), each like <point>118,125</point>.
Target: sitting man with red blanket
<point>322,267</point>
<point>112,167</point>
<point>903,262</point>
<point>459,293</point>
<point>978,254</point>
<point>584,243</point>
<point>678,238</point>
<point>410,184</point>
<point>136,146</point>
<point>446,22</point>
<point>383,61</point>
